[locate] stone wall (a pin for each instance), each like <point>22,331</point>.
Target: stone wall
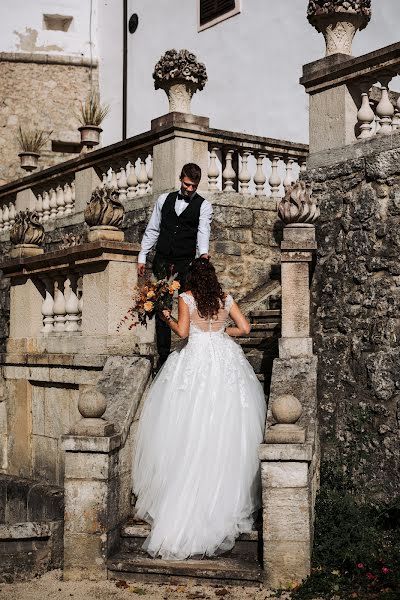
<point>43,92</point>
<point>356,321</point>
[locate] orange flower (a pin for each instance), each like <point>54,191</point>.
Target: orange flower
<point>148,306</point>
<point>175,285</point>
<point>150,294</point>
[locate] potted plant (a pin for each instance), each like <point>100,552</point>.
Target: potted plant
<point>31,141</point>
<point>92,113</point>
<point>338,21</point>
<point>180,75</point>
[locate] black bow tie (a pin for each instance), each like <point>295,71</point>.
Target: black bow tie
<point>182,197</point>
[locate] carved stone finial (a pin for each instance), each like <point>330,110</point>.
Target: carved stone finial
<point>338,21</point>
<point>180,75</point>
<point>298,206</point>
<point>104,214</point>
<point>27,229</point>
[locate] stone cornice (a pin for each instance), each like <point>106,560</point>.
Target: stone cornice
<point>48,59</point>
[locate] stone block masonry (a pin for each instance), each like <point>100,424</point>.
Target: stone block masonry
<point>355,312</point>
<point>44,94</point>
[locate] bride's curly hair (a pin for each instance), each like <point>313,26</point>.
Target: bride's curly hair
<point>202,281</point>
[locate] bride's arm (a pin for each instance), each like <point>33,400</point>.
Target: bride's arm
<point>181,326</point>
<point>243,327</point>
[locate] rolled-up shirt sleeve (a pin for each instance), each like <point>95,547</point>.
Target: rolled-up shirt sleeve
<point>152,232</point>
<point>203,231</point>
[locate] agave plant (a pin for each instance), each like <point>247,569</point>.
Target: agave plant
<point>32,140</point>
<point>92,112</point>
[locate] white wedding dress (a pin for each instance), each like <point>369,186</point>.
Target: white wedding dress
<point>196,467</point>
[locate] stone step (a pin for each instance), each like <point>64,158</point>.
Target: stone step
<point>264,316</point>
<point>264,328</point>
<point>134,532</point>
<point>221,570</point>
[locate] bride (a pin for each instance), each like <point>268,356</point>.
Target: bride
<point>196,468</point>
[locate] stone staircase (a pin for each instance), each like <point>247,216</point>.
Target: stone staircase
<point>242,564</point>
<point>239,566</point>
<point>261,346</point>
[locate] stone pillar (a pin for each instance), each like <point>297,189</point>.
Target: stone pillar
<point>287,512</point>
<point>25,200</point>
<point>180,144</point>
<point>297,253</point>
<point>86,181</point>
<point>91,484</point>
<point>25,309</point>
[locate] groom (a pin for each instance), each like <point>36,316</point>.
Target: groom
<point>179,228</point>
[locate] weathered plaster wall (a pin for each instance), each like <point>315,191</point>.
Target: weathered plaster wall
<point>356,319</point>
<point>39,95</point>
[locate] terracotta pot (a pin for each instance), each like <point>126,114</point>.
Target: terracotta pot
<point>29,160</point>
<point>90,135</point>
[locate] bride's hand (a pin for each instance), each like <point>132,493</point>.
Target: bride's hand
<point>166,315</point>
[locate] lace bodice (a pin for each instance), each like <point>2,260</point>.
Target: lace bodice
<point>200,325</point>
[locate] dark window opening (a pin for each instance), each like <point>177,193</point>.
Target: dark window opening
<point>65,147</point>
<point>211,9</point>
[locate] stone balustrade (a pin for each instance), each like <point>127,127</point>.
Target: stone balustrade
<point>262,169</point>
<point>350,99</point>
<point>150,163</point>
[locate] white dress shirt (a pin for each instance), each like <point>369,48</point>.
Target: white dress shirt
<point>152,232</point>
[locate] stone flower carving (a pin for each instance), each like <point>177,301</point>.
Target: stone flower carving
<point>298,206</point>
<point>27,229</point>
<point>179,66</point>
<point>104,208</point>
<point>321,8</point>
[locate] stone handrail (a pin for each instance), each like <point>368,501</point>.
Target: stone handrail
<point>128,166</point>
<point>345,105</point>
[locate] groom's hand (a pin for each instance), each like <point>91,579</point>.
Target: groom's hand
<point>206,256</point>
<point>141,269</point>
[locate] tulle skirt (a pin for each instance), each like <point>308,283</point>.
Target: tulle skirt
<point>196,467</point>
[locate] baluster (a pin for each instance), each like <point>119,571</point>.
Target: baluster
<point>244,175</point>
<point>274,179</point>
<point>122,184</point>
<point>113,180</point>
<point>228,174</point>
<point>59,304</point>
<point>287,182</point>
<point>213,171</point>
<point>53,203</point>
<point>45,207</point>
<point>104,181</point>
<point>73,196</point>
<point>396,119</point>
<point>48,307</point>
<point>6,218</point>
<point>60,201</point>
<point>259,177</point>
<point>150,175</point>
<point>303,166</point>
<point>365,117</point>
<point>132,181</point>
<point>142,177</point>
<point>71,304</point>
<point>39,207</point>
<point>385,109</point>
<point>67,199</point>
<point>11,209</point>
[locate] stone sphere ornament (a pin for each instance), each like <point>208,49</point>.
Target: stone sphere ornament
<point>91,404</point>
<point>286,409</point>
<point>338,21</point>
<point>180,75</point>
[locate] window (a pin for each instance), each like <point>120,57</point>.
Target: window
<point>57,22</point>
<point>212,12</point>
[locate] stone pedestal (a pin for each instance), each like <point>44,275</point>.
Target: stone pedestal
<point>106,233</point>
<point>180,144</point>
<point>287,512</point>
<point>91,504</point>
